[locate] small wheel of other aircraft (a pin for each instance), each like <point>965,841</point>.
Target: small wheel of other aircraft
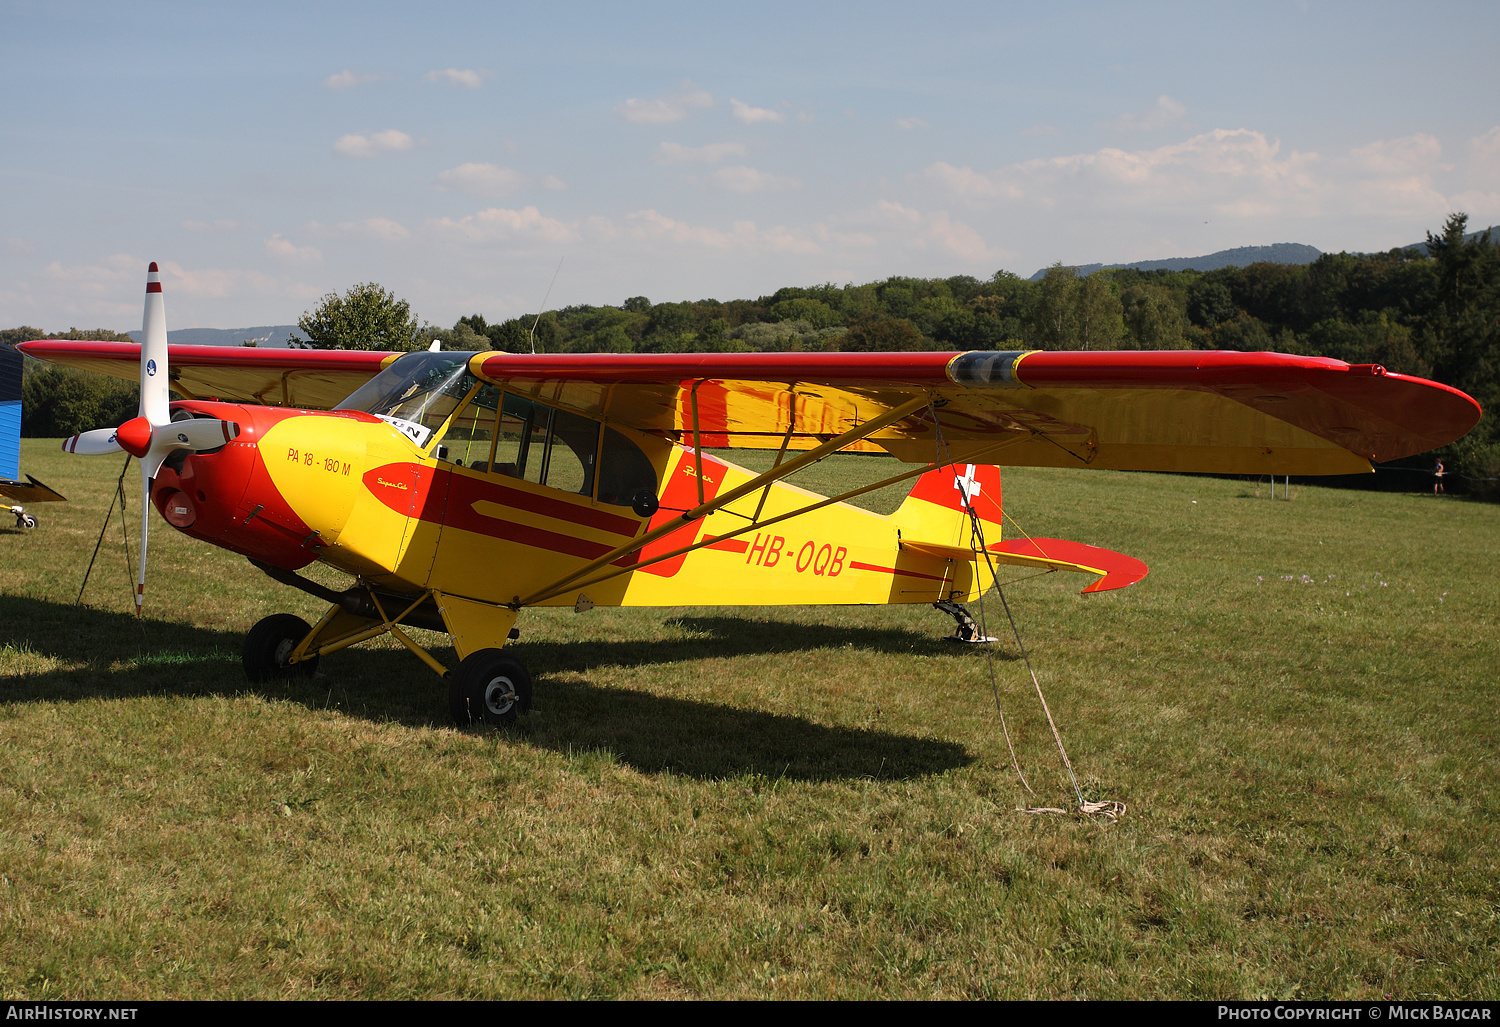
<point>489,687</point>
<point>25,520</point>
<point>270,642</point>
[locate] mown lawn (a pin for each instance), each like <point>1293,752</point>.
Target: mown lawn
<point>1297,705</point>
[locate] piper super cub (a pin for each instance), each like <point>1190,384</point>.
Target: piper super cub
<point>458,489</point>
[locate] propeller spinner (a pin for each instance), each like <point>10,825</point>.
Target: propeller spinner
<point>151,436</point>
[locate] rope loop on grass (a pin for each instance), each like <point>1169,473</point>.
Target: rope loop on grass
<point>1108,809</point>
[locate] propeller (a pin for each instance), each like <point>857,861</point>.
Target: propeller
<point>151,436</point>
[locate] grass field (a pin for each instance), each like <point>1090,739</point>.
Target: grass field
<point>1298,706</point>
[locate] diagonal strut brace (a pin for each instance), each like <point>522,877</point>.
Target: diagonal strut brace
<point>854,434</point>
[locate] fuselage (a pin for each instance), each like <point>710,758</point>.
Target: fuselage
<point>359,493</point>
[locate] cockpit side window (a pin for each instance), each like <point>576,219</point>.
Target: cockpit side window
<point>514,436</point>
<point>470,433</point>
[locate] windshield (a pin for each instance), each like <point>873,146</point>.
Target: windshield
<point>416,393</point>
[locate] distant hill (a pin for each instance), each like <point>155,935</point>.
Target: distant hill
<point>263,335</point>
<point>1240,256</point>
<point>1494,231</point>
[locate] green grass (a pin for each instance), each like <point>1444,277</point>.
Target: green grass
<point>1298,706</point>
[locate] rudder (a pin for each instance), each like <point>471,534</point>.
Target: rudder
<point>936,511</point>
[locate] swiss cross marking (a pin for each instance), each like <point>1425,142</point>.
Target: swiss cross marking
<point>966,484</point>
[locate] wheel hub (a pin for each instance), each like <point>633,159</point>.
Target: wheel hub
<point>499,696</point>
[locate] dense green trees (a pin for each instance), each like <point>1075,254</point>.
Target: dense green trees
<point>365,317</point>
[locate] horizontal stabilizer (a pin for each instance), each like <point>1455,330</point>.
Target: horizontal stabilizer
<point>29,491</point>
<point>1116,570</point>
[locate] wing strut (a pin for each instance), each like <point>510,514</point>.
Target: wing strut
<point>553,591</point>
<point>774,474</point>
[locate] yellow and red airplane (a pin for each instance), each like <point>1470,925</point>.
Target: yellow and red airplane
<point>458,489</point>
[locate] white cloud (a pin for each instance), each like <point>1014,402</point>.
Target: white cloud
<point>913,228</point>
<point>1399,156</point>
<point>668,107</point>
<point>482,179</point>
<point>1395,176</point>
<point>464,78</point>
<point>377,229</point>
<point>1484,151</point>
<point>284,249</point>
<point>553,182</point>
<point>968,183</point>
<point>1212,190</point>
<point>649,225</point>
<point>1167,112</point>
<point>116,270</point>
<point>347,79</point>
<point>218,282</point>
<point>123,275</point>
<point>712,153</point>
<point>912,123</point>
<point>753,115</point>
<point>1232,172</point>
<point>957,237</point>
<point>740,179</point>
<point>498,223</point>
<point>372,144</point>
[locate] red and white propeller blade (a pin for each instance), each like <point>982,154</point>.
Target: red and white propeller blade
<point>152,435</point>
<point>198,434</point>
<point>99,442</point>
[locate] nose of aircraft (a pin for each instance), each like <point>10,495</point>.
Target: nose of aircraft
<point>224,495</point>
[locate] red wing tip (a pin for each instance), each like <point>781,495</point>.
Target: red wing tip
<point>153,267</point>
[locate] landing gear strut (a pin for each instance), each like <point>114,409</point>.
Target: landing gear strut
<point>967,629</point>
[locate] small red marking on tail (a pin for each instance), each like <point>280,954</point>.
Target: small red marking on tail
<point>152,267</point>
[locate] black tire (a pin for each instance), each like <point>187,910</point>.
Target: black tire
<point>270,642</point>
<point>489,687</point>
<point>27,521</point>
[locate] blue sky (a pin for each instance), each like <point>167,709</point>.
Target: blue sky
<point>269,154</point>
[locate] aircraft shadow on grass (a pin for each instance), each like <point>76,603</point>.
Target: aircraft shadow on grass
<point>649,732</point>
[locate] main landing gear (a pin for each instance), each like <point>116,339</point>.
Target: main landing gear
<point>489,687</point>
<point>269,646</point>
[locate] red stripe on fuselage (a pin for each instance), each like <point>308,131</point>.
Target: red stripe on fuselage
<point>856,565</point>
<point>461,492</point>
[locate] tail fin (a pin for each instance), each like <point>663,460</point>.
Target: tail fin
<point>937,510</point>
<point>935,519</point>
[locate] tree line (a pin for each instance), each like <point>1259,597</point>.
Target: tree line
<point>1432,311</point>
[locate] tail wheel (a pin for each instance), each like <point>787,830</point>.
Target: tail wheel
<point>269,645</point>
<point>489,687</point>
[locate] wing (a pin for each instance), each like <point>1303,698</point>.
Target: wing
<point>1176,410</point>
<point>311,379</point>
